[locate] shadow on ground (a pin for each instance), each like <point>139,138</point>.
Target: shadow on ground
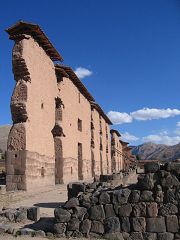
<point>49,204</point>
<point>45,224</point>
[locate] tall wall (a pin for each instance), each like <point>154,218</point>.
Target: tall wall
<point>59,133</point>
<point>116,152</point>
<point>30,155</point>
<point>75,106</point>
<point>95,142</point>
<point>100,147</point>
<point>106,153</point>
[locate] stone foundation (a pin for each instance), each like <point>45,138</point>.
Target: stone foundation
<point>148,210</point>
<point>27,170</point>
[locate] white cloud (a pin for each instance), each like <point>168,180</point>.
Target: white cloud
<point>177,131</point>
<point>83,72</point>
<point>178,124</point>
<point>143,114</point>
<point>119,118</point>
<point>153,113</point>
<point>128,137</point>
<point>162,139</point>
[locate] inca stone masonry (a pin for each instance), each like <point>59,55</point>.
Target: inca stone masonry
<point>59,133</point>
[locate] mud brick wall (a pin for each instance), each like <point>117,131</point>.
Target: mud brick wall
<point>30,161</point>
<point>146,210</point>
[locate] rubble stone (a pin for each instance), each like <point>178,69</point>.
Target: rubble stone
<point>97,227</point>
<point>125,210</point>
<point>138,224</point>
<point>172,224</point>
<point>62,215</point>
<point>112,225</point>
<point>155,225</point>
<point>97,213</point>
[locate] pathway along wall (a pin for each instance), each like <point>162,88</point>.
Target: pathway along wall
<point>147,210</point>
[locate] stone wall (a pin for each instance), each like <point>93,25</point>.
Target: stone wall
<point>146,210</point>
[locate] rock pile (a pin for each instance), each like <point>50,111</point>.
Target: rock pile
<point>147,210</point>
<point>19,214</point>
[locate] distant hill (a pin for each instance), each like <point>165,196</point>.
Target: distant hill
<point>4,131</point>
<point>157,151</point>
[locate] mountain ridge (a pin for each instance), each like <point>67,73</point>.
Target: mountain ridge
<point>153,151</point>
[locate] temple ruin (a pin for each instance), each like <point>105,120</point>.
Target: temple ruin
<point>59,133</point>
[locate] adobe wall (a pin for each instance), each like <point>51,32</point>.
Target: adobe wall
<point>75,106</point>
<point>106,167</point>
<point>95,141</point>
<point>148,210</point>
<point>45,144</point>
<point>30,155</point>
<point>108,149</point>
<point>117,153</point>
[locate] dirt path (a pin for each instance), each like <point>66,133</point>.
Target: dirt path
<point>47,199</point>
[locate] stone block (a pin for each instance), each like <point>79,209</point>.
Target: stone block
<point>169,181</point>
<point>59,228</point>
<point>114,236</point>
<point>121,196</point>
<point>73,224</point>
<point>97,227</point>
<point>170,196</point>
<point>172,166</point>
<point>109,211</point>
<point>149,236</point>
<point>104,198</point>
<point>147,182</point>
<point>138,224</point>
<point>21,215</point>
<point>4,228</point>
<point>139,209</point>
<point>71,203</point>
<point>61,215</point>
<point>126,235</point>
<point>75,188</point>
<point>152,209</point>
<point>147,196</point>
<point>27,231</point>
<point>165,236</point>
<point>168,209</point>
<point>151,167</point>
<point>136,236</point>
<point>79,212</point>
<point>97,213</point>
<point>85,226</point>
<point>125,224</point>
<point>112,225</point>
<point>33,214</point>
<point>85,200</point>
<point>125,210</point>
<point>10,214</point>
<point>172,224</point>
<point>134,196</point>
<point>155,225</point>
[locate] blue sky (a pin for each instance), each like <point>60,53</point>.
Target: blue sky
<point>131,50</point>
